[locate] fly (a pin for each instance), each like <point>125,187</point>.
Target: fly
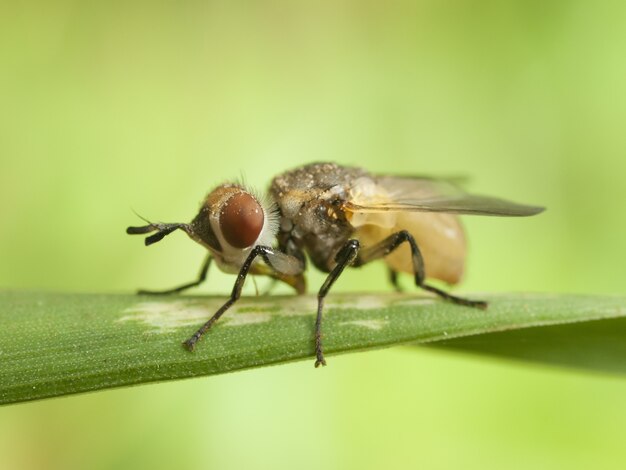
<point>337,216</point>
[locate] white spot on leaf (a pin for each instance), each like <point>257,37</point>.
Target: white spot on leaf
<point>415,301</point>
<point>371,324</point>
<point>165,316</point>
<point>246,319</point>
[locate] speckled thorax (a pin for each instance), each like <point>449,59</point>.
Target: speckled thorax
<point>310,200</point>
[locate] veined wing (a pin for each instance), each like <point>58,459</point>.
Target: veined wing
<point>390,193</point>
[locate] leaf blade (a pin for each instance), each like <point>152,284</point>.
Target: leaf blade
<point>58,344</point>
<point>596,346</point>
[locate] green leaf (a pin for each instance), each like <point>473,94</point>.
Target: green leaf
<point>593,345</point>
<point>58,344</point>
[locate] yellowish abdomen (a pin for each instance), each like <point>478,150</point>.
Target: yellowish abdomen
<point>440,238</point>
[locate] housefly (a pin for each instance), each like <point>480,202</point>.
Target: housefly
<point>337,216</point>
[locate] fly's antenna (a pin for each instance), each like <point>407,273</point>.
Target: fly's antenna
<point>140,216</point>
<point>161,229</point>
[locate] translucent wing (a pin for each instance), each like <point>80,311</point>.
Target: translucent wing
<point>392,193</point>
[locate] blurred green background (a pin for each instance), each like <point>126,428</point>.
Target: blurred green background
<point>108,106</point>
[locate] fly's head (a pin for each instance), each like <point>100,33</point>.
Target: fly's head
<point>231,221</point>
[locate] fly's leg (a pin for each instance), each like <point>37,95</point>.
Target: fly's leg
<point>393,278</point>
<point>344,257</point>
<point>394,241</point>
<point>201,278</point>
<point>279,262</point>
<point>162,230</point>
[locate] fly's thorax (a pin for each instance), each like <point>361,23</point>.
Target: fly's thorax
<point>310,181</point>
<point>232,221</point>
<point>311,197</point>
<point>321,229</point>
<point>311,201</point>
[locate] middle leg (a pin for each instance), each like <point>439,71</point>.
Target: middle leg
<point>344,257</point>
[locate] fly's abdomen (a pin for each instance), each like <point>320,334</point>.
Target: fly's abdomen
<point>440,238</point>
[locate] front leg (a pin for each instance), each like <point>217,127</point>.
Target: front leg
<point>279,262</point>
<point>285,268</point>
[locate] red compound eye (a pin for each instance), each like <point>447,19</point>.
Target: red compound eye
<point>241,220</point>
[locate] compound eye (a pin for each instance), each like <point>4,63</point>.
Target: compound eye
<point>241,220</point>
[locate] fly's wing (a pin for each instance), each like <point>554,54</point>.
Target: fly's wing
<point>397,194</point>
